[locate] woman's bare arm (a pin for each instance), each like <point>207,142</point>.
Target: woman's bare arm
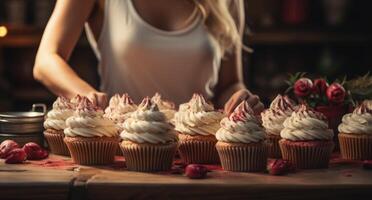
<point>59,39</point>
<point>231,89</point>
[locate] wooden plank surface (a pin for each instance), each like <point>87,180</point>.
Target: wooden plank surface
<point>27,181</point>
<point>341,182</point>
<point>58,178</point>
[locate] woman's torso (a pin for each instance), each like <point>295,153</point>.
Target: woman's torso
<point>140,59</point>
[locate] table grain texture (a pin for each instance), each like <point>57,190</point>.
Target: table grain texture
<point>32,181</point>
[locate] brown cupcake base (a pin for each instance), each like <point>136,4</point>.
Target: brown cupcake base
<point>148,157</point>
<point>241,157</point>
<point>355,146</point>
<point>198,149</point>
<point>92,151</point>
<point>307,154</point>
<point>273,146</point>
<point>55,142</point>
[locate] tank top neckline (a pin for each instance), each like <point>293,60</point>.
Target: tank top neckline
<point>180,31</point>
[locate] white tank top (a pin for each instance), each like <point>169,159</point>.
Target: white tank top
<point>140,59</point>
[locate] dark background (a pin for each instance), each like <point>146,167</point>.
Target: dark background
<point>326,38</point>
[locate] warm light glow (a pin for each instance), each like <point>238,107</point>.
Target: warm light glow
<point>3,31</point>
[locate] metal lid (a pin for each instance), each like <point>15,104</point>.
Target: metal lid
<point>24,117</point>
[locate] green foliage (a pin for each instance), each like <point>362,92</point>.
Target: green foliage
<point>360,88</point>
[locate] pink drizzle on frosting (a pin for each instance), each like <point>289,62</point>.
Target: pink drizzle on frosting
<point>241,112</point>
<point>86,105</point>
<point>147,104</point>
<point>364,107</point>
<point>305,111</point>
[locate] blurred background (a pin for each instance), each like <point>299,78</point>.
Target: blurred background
<point>329,38</point>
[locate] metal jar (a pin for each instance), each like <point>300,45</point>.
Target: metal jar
<point>23,127</point>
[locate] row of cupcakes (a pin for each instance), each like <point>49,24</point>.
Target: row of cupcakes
<point>241,142</point>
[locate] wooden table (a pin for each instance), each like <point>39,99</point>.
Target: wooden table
<point>36,181</point>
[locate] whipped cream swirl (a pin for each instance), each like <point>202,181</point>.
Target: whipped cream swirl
<point>119,109</point>
<point>148,125</point>
<point>88,121</point>
<point>197,117</point>
<point>280,109</point>
<point>306,124</point>
<point>166,107</point>
<point>359,121</point>
<point>241,126</point>
<point>56,118</point>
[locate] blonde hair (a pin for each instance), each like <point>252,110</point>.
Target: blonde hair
<point>223,19</point>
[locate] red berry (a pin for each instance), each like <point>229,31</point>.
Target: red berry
<point>367,164</point>
<point>34,151</point>
<point>16,156</point>
<point>6,146</point>
<point>195,171</point>
<point>280,167</point>
<point>320,86</point>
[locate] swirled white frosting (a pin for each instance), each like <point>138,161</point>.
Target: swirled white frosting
<point>280,109</point>
<point>148,125</point>
<point>166,107</point>
<point>197,117</point>
<point>56,118</point>
<point>241,126</point>
<point>306,124</point>
<point>359,121</point>
<point>119,109</point>
<point>88,121</point>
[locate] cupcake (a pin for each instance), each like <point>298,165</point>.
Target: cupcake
<point>55,123</point>
<point>241,141</point>
<point>149,141</point>
<point>272,119</point>
<point>356,133</point>
<point>91,138</point>
<point>119,109</point>
<point>307,140</point>
<point>197,123</point>
<point>166,107</point>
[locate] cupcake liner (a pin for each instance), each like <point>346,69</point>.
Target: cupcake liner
<point>307,154</point>
<point>92,151</point>
<point>55,141</point>
<point>118,150</point>
<point>198,149</point>
<point>240,157</point>
<point>355,146</point>
<point>148,157</point>
<point>273,146</point>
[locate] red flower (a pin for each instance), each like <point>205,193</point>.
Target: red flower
<point>336,93</point>
<point>320,86</point>
<point>303,87</point>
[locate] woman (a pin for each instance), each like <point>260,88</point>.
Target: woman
<point>167,46</point>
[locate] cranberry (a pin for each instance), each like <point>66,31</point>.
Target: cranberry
<point>6,146</point>
<point>34,151</point>
<point>195,171</point>
<point>16,156</point>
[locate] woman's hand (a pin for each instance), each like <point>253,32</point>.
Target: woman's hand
<point>98,98</point>
<point>241,95</point>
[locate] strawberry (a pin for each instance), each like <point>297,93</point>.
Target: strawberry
<point>6,146</point>
<point>195,171</point>
<point>280,167</point>
<point>16,156</point>
<point>34,151</point>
